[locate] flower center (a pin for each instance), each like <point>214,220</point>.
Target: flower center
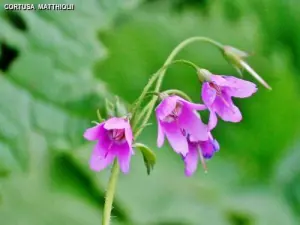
<point>216,87</point>
<point>174,114</point>
<point>219,93</point>
<point>117,135</point>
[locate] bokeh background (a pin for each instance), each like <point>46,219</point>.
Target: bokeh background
<point>56,69</point>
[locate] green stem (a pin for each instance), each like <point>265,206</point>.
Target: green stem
<point>150,83</point>
<point>189,63</point>
<point>110,193</point>
<point>161,72</point>
<point>159,75</point>
<point>144,93</point>
<point>141,115</point>
<point>178,92</point>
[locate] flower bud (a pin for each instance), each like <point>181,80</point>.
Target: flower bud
<point>204,75</point>
<point>235,57</point>
<point>234,53</point>
<point>163,95</point>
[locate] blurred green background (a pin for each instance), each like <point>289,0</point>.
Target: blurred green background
<point>56,69</point>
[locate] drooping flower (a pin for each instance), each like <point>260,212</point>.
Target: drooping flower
<point>199,150</point>
<point>114,140</point>
<point>177,117</point>
<point>217,94</point>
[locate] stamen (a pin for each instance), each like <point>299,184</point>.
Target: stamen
<point>183,131</point>
<point>202,160</point>
<point>224,101</point>
<point>216,87</point>
<point>117,134</point>
<point>219,94</point>
<point>174,114</point>
<point>109,147</point>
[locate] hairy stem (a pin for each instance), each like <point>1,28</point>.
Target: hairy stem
<point>110,193</point>
<point>159,75</point>
<point>141,115</point>
<point>179,93</point>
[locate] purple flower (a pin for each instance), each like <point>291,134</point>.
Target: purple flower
<point>200,149</point>
<point>114,139</point>
<point>217,94</point>
<point>176,118</point>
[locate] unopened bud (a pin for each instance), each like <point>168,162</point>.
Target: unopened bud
<point>231,51</point>
<point>236,58</point>
<point>163,95</point>
<point>204,75</point>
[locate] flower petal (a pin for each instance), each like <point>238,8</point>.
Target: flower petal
<point>209,147</point>
<point>213,120</point>
<point>191,160</point>
<point>124,156</point>
<point>225,108</point>
<point>129,135</point>
<point>93,133</point>
<point>219,80</point>
<point>116,123</point>
<point>192,124</point>
<point>166,107</point>
<point>239,88</point>
<point>208,94</point>
<point>101,157</point>
<point>191,104</point>
<point>160,134</point>
<point>175,137</point>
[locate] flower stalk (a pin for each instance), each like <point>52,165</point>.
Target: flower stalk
<point>110,193</point>
<point>179,93</point>
<point>161,73</point>
<point>193,131</point>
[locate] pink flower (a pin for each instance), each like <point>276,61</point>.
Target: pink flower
<point>217,93</point>
<point>199,149</point>
<point>114,139</point>
<point>176,118</point>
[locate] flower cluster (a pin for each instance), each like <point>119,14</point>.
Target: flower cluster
<point>178,121</point>
<point>183,127</point>
<point>178,118</point>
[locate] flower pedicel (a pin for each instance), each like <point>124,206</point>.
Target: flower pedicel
<point>177,119</point>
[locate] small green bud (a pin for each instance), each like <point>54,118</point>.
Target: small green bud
<point>204,75</point>
<point>163,95</point>
<point>229,50</point>
<point>236,58</point>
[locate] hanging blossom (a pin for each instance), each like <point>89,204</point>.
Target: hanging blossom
<point>114,140</point>
<point>199,150</point>
<point>176,117</point>
<point>217,94</point>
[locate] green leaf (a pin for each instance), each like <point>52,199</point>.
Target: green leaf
<point>49,95</point>
<point>248,151</point>
<point>148,156</point>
